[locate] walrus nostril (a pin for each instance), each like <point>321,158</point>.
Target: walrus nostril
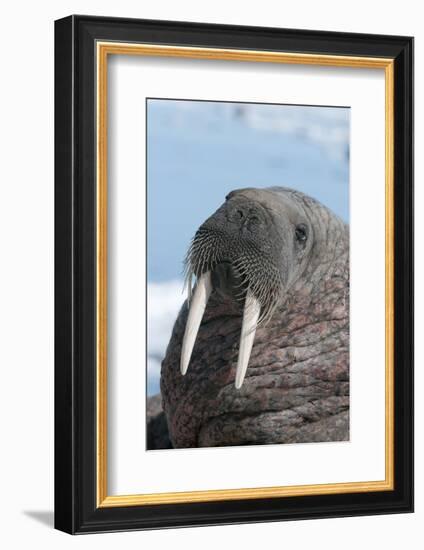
<point>244,215</point>
<point>237,213</point>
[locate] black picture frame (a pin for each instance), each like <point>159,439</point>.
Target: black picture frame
<point>76,509</point>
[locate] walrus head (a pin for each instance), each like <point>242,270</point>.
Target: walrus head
<point>251,250</point>
<point>269,312</point>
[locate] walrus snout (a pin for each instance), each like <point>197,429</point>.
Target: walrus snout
<point>232,253</point>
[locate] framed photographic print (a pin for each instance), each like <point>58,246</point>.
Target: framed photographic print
<point>234,267</point>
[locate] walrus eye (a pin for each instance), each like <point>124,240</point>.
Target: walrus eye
<point>301,233</point>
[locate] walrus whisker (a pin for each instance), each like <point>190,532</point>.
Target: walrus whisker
<point>197,308</point>
<point>256,284</point>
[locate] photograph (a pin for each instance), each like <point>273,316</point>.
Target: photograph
<point>247,273</point>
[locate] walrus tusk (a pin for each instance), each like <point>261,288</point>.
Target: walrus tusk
<point>197,308</point>
<point>251,313</point>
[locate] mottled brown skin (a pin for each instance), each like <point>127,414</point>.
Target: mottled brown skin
<point>297,384</point>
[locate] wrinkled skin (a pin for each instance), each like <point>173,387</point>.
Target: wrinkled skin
<point>297,384</point>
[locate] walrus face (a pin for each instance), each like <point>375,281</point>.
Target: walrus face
<point>251,250</point>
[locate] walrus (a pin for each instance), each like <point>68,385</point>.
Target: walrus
<point>259,353</point>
